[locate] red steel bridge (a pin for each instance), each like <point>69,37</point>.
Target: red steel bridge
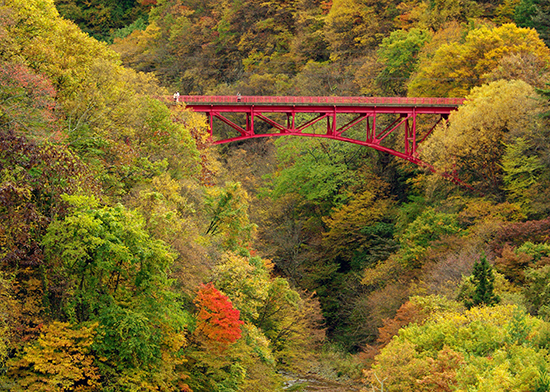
<point>410,119</point>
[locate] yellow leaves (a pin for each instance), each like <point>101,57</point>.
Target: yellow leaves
<point>166,210</point>
<point>497,105</point>
<point>472,145</point>
<point>60,360</point>
<point>361,211</point>
<point>246,284</point>
<point>484,217</point>
<point>347,224</point>
<point>56,46</point>
<point>404,359</point>
<point>8,311</point>
<point>137,49</point>
<point>196,125</point>
<point>514,369</point>
<point>384,271</point>
<point>458,350</point>
<point>456,68</point>
<point>347,27</point>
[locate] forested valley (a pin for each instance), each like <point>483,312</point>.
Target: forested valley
<point>135,255</point>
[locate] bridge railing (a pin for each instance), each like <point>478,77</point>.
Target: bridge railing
<point>228,99</point>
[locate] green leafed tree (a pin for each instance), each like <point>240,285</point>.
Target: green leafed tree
<point>537,292</point>
<point>32,179</point>
<point>399,55</point>
<point>420,234</point>
<point>108,269</point>
<point>100,18</point>
<point>522,170</point>
<point>534,14</point>
<point>227,209</point>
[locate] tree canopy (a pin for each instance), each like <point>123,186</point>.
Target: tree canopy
<point>135,255</point>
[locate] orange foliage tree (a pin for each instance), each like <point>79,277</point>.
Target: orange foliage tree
<point>218,320</point>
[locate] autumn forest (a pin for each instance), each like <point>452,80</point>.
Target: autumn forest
<point>136,255</point>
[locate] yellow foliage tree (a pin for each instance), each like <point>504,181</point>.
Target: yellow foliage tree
<point>483,349</point>
<point>60,360</point>
<point>52,45</point>
<point>456,68</point>
<point>352,26</point>
<point>348,225</point>
<point>472,145</point>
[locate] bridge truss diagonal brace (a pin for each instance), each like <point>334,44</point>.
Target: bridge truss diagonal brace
<point>273,123</point>
<point>391,128</point>
<point>309,123</point>
<point>337,132</point>
<point>291,127</point>
<point>243,132</point>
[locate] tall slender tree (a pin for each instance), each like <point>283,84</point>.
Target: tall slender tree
<point>484,280</point>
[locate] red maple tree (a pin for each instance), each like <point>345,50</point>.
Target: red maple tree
<point>218,320</point>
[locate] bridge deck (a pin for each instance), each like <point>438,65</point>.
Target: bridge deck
<point>363,101</point>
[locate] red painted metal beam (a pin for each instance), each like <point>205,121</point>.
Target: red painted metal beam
<point>223,100</point>
<point>362,109</point>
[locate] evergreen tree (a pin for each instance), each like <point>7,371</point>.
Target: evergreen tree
<point>534,14</point>
<point>483,280</point>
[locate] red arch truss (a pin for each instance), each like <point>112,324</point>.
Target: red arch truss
<point>399,114</point>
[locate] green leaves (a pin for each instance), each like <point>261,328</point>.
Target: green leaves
<point>521,172</point>
<point>483,280</point>
<point>318,171</point>
<point>108,269</point>
<point>228,211</point>
<point>430,226</point>
<point>399,54</point>
<point>481,349</point>
<point>128,338</point>
<point>104,253</point>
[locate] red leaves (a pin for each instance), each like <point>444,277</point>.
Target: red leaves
<point>408,313</point>
<point>217,319</point>
<point>27,100</point>
<point>515,234</point>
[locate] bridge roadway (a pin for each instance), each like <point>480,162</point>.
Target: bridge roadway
<point>396,116</point>
<point>338,101</point>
